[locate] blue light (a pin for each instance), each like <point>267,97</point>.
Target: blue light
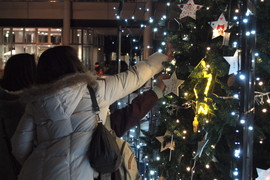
<point>242,77</point>
<point>245,20</point>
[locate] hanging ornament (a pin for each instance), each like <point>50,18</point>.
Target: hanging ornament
<point>263,174</point>
<point>189,9</point>
<point>234,62</point>
<point>219,27</point>
<point>169,145</point>
<point>202,109</point>
<point>201,146</point>
<point>172,85</point>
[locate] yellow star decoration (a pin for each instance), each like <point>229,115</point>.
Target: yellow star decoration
<point>169,145</point>
<point>172,85</point>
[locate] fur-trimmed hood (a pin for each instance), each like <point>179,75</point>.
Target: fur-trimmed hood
<point>67,81</point>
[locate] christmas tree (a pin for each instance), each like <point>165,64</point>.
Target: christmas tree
<point>200,134</point>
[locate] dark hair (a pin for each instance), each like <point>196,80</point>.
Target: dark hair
<point>19,72</point>
<point>57,62</point>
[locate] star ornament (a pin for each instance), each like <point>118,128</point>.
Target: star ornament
<point>234,63</point>
<point>172,85</point>
<point>168,145</point>
<point>189,9</point>
<point>219,26</point>
<point>263,174</point>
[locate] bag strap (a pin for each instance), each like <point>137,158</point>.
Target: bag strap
<point>94,103</point>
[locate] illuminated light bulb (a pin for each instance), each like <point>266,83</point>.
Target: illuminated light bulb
<point>250,128</point>
<point>208,48</point>
<point>242,77</point>
<point>114,8</point>
<point>185,94</point>
<point>168,4</point>
<point>158,158</point>
<point>213,146</point>
<point>245,20</point>
<point>184,137</point>
<point>163,102</point>
<point>264,110</point>
<point>261,142</point>
<point>268,100</point>
<point>168,69</point>
<point>160,50</point>
<point>247,33</point>
<point>151,20</point>
<point>256,54</point>
<point>148,47</point>
<point>236,11</point>
<point>163,43</point>
<point>237,131</point>
<point>208,66</point>
<point>236,96</point>
<point>188,168</point>
<point>164,16</point>
<point>126,20</point>
<point>235,17</point>
<point>257,78</point>
<point>138,146</point>
<point>132,17</point>
<point>147,9</point>
<point>119,103</point>
<point>253,32</point>
<point>185,132</point>
<point>154,80</point>
<point>207,121</point>
<point>117,17</point>
<point>260,83</point>
<point>155,29</point>
<point>235,173</point>
<point>207,8</point>
<point>233,113</point>
<point>164,33</point>
<point>173,62</point>
<point>262,0</point>
<point>242,121</point>
<point>152,172</point>
<point>177,121</point>
<point>191,44</point>
<point>237,153</point>
<point>207,166</point>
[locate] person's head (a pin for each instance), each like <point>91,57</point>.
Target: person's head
<point>19,72</point>
<point>58,62</point>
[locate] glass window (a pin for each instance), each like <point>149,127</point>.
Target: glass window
<point>88,36</point>
<point>56,36</point>
<point>43,35</point>
<point>30,35</point>
<point>7,35</point>
<point>77,36</point>
<point>17,35</point>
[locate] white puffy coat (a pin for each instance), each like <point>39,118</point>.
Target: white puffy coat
<point>54,133</point>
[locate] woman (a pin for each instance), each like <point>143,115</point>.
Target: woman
<point>19,73</point>
<point>52,138</point>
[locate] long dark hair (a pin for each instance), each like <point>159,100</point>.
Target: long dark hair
<point>19,72</point>
<point>57,62</point>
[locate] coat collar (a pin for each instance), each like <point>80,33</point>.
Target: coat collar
<point>67,81</point>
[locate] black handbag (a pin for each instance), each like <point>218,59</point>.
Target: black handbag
<point>103,153</point>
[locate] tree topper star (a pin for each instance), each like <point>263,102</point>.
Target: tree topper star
<point>233,61</point>
<point>189,9</point>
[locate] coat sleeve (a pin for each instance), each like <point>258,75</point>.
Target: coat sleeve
<point>23,138</point>
<point>122,84</point>
<point>129,116</point>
